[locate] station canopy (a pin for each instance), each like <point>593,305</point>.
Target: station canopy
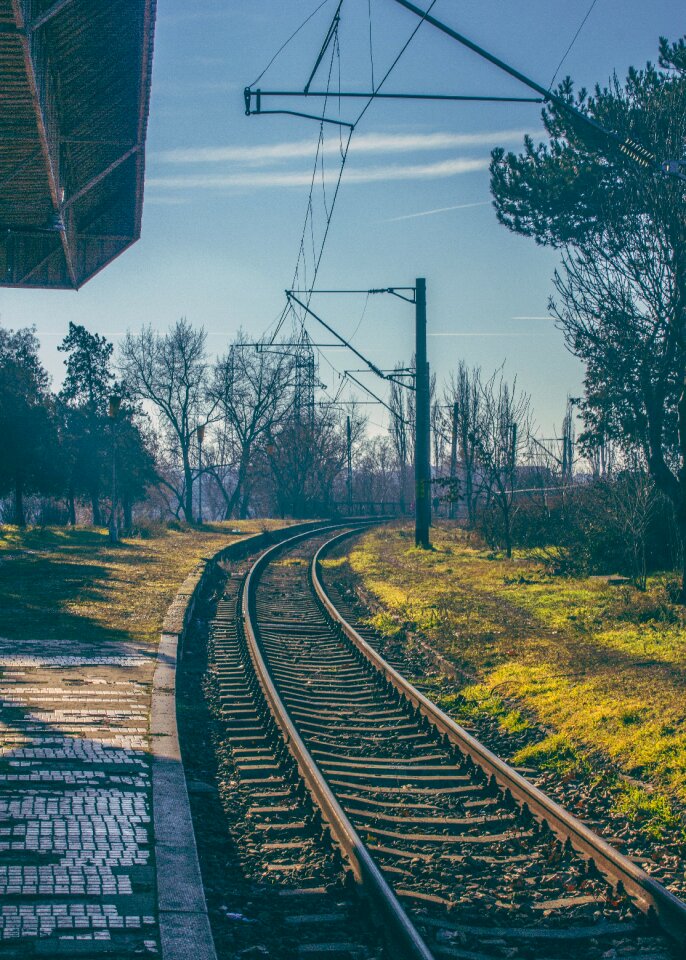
<point>74,96</point>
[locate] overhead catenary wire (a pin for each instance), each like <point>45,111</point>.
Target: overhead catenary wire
<point>573,41</point>
<point>375,396</point>
<point>309,214</point>
<point>332,31</point>
<point>331,41</point>
<point>344,155</point>
<point>292,37</point>
<point>394,63</point>
<point>361,320</point>
<point>344,152</point>
<point>371,40</point>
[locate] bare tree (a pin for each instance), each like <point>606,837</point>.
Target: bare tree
<point>440,430</point>
<point>501,433</point>
<point>252,389</point>
<point>306,456</point>
<point>376,471</point>
<point>633,499</point>
<point>401,433</point>
<point>464,389</point>
<point>169,371</point>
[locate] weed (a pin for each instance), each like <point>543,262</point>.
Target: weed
<point>385,624</point>
<point>557,754</point>
<point>652,811</point>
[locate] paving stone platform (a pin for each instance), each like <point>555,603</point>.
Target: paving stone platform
<point>77,872</point>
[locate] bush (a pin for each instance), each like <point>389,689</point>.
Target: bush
<point>672,589</point>
<point>589,530</point>
<point>147,529</point>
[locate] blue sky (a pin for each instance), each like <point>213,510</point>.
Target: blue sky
<point>226,195</point>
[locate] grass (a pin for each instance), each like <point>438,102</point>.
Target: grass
<point>602,667</point>
<point>58,583</point>
<point>557,754</point>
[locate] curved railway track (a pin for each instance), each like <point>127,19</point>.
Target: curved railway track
<point>346,767</point>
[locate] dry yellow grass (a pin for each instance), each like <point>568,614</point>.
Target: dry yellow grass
<point>62,584</point>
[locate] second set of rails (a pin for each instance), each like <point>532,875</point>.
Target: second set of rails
<point>349,772</point>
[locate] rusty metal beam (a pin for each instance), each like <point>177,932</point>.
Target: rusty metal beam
<point>32,157</point>
<point>36,267</point>
<point>41,122</point>
<point>57,7</point>
<point>94,181</point>
<point>144,104</point>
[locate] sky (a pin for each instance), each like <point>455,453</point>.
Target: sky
<point>226,195</point>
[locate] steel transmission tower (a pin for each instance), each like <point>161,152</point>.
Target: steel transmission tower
<point>305,379</point>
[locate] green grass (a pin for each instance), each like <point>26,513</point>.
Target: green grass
<point>600,666</point>
<point>557,754</point>
<point>652,811</point>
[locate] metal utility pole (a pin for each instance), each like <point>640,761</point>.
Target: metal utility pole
<point>113,413</point>
<point>201,436</point>
<point>349,479</point>
<point>453,461</point>
<point>422,440</point>
<point>422,446</point>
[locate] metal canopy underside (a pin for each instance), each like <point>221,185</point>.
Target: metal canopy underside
<point>74,97</point>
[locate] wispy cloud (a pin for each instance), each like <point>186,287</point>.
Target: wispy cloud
<point>427,171</point>
<point>179,88</point>
<point>171,19</point>
<point>162,201</point>
<point>481,333</point>
<point>364,143</point>
<point>429,213</point>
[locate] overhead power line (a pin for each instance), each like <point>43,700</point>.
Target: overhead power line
<point>573,41</point>
<point>292,37</point>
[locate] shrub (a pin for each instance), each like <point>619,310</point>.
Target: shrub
<point>147,529</point>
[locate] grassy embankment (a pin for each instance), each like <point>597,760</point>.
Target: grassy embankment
<point>73,585</point>
<point>601,666</point>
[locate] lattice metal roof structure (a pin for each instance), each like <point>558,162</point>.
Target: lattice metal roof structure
<point>74,97</point>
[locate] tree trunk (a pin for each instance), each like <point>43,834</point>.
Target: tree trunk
<point>227,499</point>
<point>681,527</point>
<point>95,507</point>
<point>681,507</point>
<point>71,507</point>
<point>19,515</point>
<point>188,491</point>
<point>127,507</point>
<point>245,500</point>
<point>507,523</point>
<point>238,498</point>
<point>469,492</point>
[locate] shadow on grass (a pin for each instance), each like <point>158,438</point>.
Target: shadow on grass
<point>45,571</point>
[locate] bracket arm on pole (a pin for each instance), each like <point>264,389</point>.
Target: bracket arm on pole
<point>635,152</point>
<point>368,363</point>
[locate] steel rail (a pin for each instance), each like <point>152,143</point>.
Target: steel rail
<point>398,924</point>
<point>649,895</point>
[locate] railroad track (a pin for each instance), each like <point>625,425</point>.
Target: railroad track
<point>344,768</point>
